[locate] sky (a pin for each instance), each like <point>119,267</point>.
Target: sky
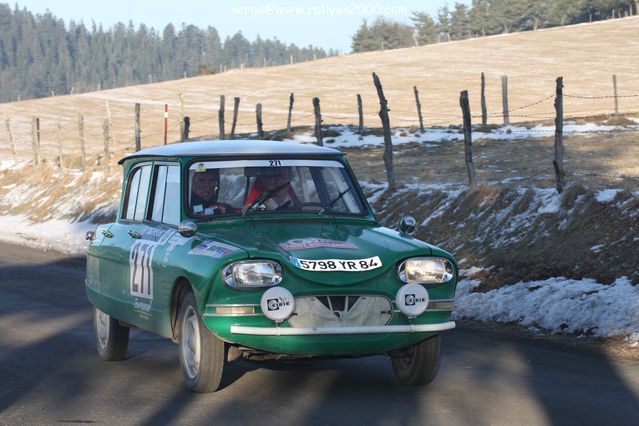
<point>323,23</point>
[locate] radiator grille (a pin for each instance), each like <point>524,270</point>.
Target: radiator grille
<point>336,311</point>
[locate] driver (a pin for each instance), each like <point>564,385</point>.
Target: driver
<point>282,198</point>
<point>204,190</point>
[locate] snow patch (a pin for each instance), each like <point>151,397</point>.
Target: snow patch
<point>607,195</point>
<point>559,305</point>
<point>58,235</point>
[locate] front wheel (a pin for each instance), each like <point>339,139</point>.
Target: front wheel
<point>202,354</point>
<point>112,339</point>
<point>417,364</point>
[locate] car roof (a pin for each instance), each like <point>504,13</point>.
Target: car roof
<point>229,148</point>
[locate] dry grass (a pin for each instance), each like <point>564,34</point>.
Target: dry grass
<point>600,160</point>
<point>586,55</point>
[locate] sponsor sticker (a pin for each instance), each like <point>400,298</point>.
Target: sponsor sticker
<point>173,242</point>
<point>142,308</point>
<point>346,265</point>
<point>214,249</point>
<point>200,168</point>
<point>311,243</point>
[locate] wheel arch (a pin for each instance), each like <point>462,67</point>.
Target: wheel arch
<point>181,286</point>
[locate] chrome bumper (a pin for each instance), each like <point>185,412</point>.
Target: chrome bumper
<point>280,331</point>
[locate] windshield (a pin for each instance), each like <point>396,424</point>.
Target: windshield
<point>245,187</point>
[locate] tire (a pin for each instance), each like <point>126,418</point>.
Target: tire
<point>417,364</point>
<point>202,354</point>
<point>112,339</point>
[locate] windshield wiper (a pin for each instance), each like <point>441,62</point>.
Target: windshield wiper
<point>264,197</point>
<point>333,201</point>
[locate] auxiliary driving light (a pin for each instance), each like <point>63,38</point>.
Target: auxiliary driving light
<point>412,299</point>
<point>277,304</point>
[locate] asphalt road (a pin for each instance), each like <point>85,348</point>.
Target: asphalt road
<point>50,373</point>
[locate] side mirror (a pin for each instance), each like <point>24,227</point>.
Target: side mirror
<point>186,228</point>
<point>407,225</point>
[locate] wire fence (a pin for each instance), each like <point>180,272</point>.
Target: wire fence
<point>68,143</point>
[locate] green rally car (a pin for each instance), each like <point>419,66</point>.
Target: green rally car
<point>263,249</point>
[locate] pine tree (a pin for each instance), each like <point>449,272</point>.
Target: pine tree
<point>460,27</point>
<point>425,29</point>
<point>40,55</point>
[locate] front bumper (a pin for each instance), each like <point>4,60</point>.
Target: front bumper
<point>287,331</point>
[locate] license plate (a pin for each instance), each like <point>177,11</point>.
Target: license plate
<point>347,265</point>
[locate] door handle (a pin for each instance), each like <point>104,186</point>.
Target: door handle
<point>135,235</point>
<point>107,233</point>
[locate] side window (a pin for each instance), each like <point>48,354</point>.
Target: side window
<point>136,193</point>
<point>160,191</point>
<point>166,200</point>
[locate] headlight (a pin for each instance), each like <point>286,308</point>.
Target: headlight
<point>253,273</point>
<point>426,270</point>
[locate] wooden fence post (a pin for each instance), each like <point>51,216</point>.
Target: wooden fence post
<point>181,97</point>
<point>236,110</point>
<point>83,150</point>
<point>106,154</point>
<point>258,119</point>
<point>38,136</point>
<point>138,129</point>
<point>318,121</point>
<point>614,85</point>
<point>419,109</point>
<point>558,162</point>
<point>290,112</point>
<point>360,111</point>
<point>186,128</point>
<point>59,134</point>
<point>35,139</point>
<point>504,98</point>
<point>484,110</point>
<point>108,110</point>
<point>221,118</point>
<point>468,137</point>
<point>388,143</point>
<point>12,143</point>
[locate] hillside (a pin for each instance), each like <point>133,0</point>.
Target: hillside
<point>586,55</point>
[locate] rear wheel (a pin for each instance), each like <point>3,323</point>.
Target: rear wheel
<point>202,354</point>
<point>112,339</point>
<point>417,364</point>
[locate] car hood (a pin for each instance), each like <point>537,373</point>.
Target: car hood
<point>321,240</point>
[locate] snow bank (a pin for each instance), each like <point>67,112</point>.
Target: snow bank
<point>58,235</point>
<point>559,305</point>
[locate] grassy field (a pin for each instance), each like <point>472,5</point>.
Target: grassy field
<point>585,55</point>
